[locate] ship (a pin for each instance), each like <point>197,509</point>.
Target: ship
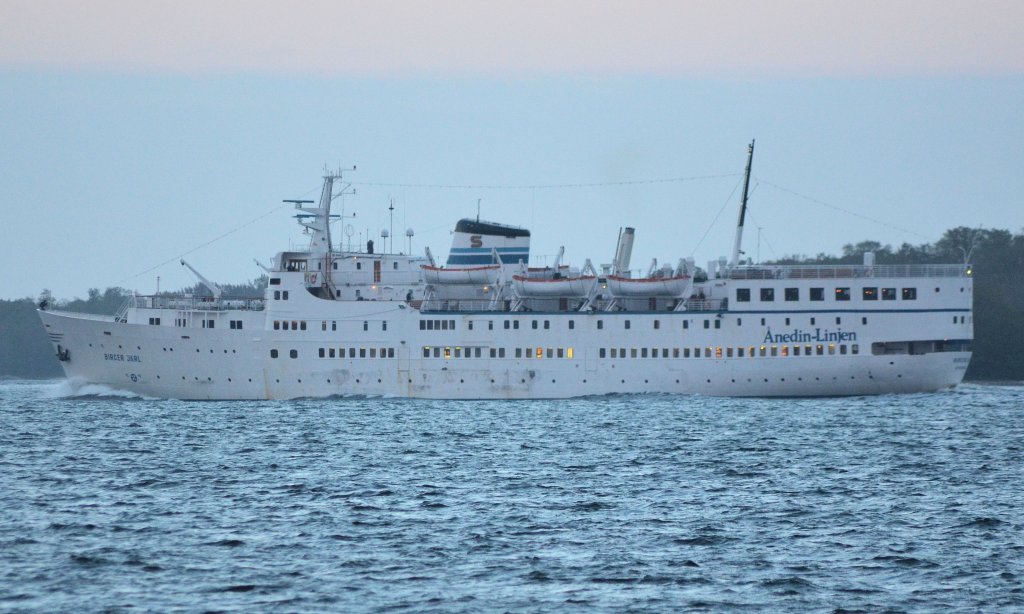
<point>337,321</point>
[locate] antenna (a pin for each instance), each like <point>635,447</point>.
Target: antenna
<point>478,209</point>
<point>391,224</point>
<point>743,207</point>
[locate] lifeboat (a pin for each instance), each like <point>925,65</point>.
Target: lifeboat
<point>561,287</point>
<point>648,286</point>
<point>479,276</point>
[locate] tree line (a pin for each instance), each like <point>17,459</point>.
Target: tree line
<point>997,257</point>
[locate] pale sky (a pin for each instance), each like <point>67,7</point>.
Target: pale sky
<point>133,132</point>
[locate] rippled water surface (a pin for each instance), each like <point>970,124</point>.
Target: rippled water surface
<point>907,503</point>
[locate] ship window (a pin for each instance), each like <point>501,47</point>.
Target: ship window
<point>774,351</point>
<point>277,295</point>
<point>515,324</point>
<point>839,320</point>
<point>622,352</point>
<point>888,294</point>
<point>762,321</point>
<point>322,353</point>
<point>686,352</point>
<point>384,325</point>
<point>767,294</point>
<point>812,321</point>
<point>787,321</point>
<point>785,350</point>
<point>742,295</point>
<point>540,352</point>
<point>447,353</point>
<point>707,352</point>
<point>330,352</point>
<point>817,294</point>
<point>686,324</point>
<point>494,352</point>
<point>273,353</point>
<point>854,349</point>
<point>909,294</point>
<point>728,352</point>
<point>437,352</point>
<point>842,349</point>
<point>751,351</point>
<point>359,266</point>
<point>718,324</point>
<point>293,353</point>
<point>632,352</point>
<point>807,350</point>
<point>426,351</point>
<point>739,352</point>
<point>423,325</point>
<point>501,352</point>
<point>490,324</point>
<point>627,324</point>
<point>615,353</point>
<point>302,325</point>
<point>323,325</point>
<point>507,324</point>
<point>600,324</point>
<point>601,353</point>
<point>550,353</point>
<point>643,352</point>
<point>469,326</point>
<point>337,293</point>
<point>842,294</point>
<point>675,352</point>
<point>373,352</point>
<point>707,323</point>
<point>869,294</point>
<point>762,350</point>
<point>351,352</point>
<point>366,325</point>
<point>792,294</point>
<point>362,352</point>
<point>547,324</point>
<point>657,324</point>
<point>533,324</point>
<point>796,350</point>
<point>451,324</point>
<point>568,353</point>
<point>334,265</point>
<point>572,324</point>
<point>334,325</point>
<point>560,354</point>
<point>831,348</point>
<point>718,352</point>
<point>519,352</point>
<point>275,281</point>
<point>284,295</point>
<point>820,349</point>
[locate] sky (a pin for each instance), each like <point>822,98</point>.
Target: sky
<point>134,134</point>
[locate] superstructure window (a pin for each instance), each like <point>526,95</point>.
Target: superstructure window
<point>273,353</point>
<point>909,294</point>
<point>869,294</point>
<point>293,353</point>
<point>742,295</point>
<point>842,294</point>
<point>817,294</point>
<point>792,294</point>
<point>888,294</point>
<point>767,294</point>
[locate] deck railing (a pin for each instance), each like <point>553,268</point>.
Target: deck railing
<point>196,303</point>
<point>834,271</point>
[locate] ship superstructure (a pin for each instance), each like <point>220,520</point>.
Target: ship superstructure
<point>487,325</point>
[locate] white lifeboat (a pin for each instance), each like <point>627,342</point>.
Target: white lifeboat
<point>648,286</point>
<point>480,276</point>
<point>562,286</point>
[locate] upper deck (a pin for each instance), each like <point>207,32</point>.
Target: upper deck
<point>848,271</point>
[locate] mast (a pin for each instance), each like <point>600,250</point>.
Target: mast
<point>317,220</point>
<point>743,207</point>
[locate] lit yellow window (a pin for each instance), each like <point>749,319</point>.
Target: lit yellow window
<point>718,352</point>
<point>568,352</point>
<point>763,349</point>
<point>785,350</point>
<point>540,352</point>
<point>831,348</point>
<point>447,352</point>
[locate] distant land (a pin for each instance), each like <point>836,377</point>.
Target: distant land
<point>996,255</point>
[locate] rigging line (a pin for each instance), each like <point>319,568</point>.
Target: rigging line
<point>838,208</point>
<point>763,237</point>
<point>538,186</point>
<point>213,240</point>
<point>717,215</point>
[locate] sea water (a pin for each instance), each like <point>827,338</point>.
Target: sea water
<point>645,503</point>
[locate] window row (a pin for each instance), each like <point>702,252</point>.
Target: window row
<point>818,294</point>
<point>356,352</point>
<point>280,295</point>
<point>477,352</point>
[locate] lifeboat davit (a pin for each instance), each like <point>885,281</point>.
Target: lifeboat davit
<point>648,286</point>
<point>562,286</point>
<point>479,276</point>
